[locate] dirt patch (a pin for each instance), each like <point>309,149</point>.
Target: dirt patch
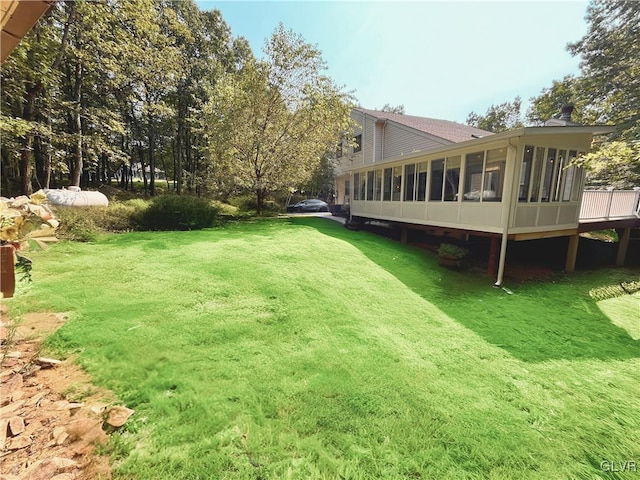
<point>51,416</point>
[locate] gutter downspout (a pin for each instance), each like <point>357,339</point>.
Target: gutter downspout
<point>506,214</point>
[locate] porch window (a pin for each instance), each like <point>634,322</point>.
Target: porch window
<point>363,186</point>
<point>422,182</point>
<point>356,184</point>
<point>437,178</point>
<point>495,162</point>
<point>549,169</point>
<point>347,187</point>
<point>557,176</point>
<point>473,177</point>
<point>409,182</point>
<point>387,182</point>
<point>538,163</point>
<point>370,185</point>
<point>397,184</point>
<point>377,191</point>
<point>452,179</point>
<point>525,176</point>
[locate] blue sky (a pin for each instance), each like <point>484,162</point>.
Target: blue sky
<point>438,59</point>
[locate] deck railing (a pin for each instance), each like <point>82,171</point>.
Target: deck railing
<point>610,204</point>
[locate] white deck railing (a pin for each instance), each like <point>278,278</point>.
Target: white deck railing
<point>610,204</point>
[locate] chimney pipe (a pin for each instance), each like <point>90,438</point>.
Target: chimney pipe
<point>566,112</point>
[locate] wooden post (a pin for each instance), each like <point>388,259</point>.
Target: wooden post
<point>7,271</point>
<point>572,253</point>
<point>403,234</point>
<point>494,252</point>
<point>622,246</point>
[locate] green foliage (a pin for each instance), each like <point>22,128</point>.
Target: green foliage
<point>610,64</point>
<point>399,109</point>
<point>452,250</point>
<point>613,164</point>
<point>173,212</point>
<point>269,124</point>
<point>550,102</point>
<point>498,118</point>
<point>77,225</point>
<point>85,224</point>
<point>245,356</point>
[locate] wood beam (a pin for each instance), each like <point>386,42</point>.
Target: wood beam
<point>572,253</point>
<point>622,246</point>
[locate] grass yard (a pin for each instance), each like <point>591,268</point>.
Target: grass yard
<point>299,349</point>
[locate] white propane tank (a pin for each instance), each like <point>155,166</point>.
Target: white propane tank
<point>74,197</point>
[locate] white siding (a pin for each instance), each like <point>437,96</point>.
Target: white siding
<point>400,140</point>
<point>367,141</point>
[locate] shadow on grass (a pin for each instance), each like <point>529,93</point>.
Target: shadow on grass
<point>547,320</point>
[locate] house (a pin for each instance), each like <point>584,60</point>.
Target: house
<point>452,179</point>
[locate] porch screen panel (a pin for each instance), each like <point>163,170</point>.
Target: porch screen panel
<point>370,185</point>
<point>437,178</point>
<point>473,177</point>
<point>422,182</point>
<point>363,186</point>
<point>377,189</point>
<point>452,179</point>
<point>356,186</point>
<point>409,181</point>
<point>577,181</point>
<point>538,163</point>
<point>387,182</point>
<point>396,192</point>
<point>549,169</point>
<point>559,175</point>
<point>494,175</point>
<point>525,176</point>
<point>569,177</point>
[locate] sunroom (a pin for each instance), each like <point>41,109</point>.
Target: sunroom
<point>516,185</point>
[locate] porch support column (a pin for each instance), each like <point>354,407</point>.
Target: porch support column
<point>508,197</point>
<point>572,253</point>
<point>403,234</point>
<point>494,250</point>
<point>622,246</point>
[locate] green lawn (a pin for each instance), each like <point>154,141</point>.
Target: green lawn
<point>299,349</point>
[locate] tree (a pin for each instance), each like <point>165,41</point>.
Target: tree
<point>551,101</point>
<point>399,109</point>
<point>610,64</point>
<point>269,124</point>
<point>498,118</point>
<point>614,164</point>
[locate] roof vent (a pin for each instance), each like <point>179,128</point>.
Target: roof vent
<point>564,120</point>
<point>566,113</point>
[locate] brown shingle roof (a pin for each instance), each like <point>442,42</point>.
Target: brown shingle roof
<point>451,131</point>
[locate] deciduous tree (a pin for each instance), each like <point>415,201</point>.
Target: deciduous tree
<point>269,125</point>
<point>498,118</point>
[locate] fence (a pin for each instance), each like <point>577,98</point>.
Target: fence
<point>610,204</point>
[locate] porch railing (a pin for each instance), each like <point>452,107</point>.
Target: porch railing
<point>610,204</point>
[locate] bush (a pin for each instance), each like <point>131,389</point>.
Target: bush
<point>248,203</point>
<point>171,212</point>
<point>76,225</point>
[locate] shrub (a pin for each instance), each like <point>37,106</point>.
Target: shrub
<point>171,212</point>
<point>452,251</point>
<point>76,225</point>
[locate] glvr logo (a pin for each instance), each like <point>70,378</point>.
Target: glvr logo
<point>626,466</point>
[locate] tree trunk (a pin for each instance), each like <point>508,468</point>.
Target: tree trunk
<point>76,170</point>
<point>152,164</point>
<point>27,143</point>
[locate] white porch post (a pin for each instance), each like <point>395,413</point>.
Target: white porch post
<point>508,198</point>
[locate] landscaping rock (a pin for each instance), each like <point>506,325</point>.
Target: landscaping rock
<point>16,426</point>
<point>118,416</point>
<point>48,362</point>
